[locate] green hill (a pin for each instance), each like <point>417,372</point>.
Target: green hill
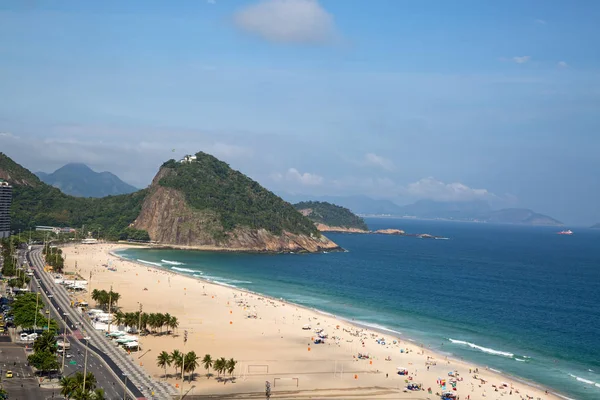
<point>36,203</point>
<point>331,215</point>
<point>200,204</point>
<point>80,180</point>
<point>210,184</point>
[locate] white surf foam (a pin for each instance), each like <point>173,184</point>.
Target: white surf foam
<point>587,381</point>
<point>518,359</point>
<point>484,349</point>
<point>219,279</point>
<point>378,327</point>
<point>495,370</point>
<point>191,271</point>
<point>172,262</point>
<point>150,263</point>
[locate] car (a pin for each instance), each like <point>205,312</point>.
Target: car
<point>50,295</point>
<point>68,355</point>
<point>23,336</point>
<point>9,374</point>
<point>87,337</point>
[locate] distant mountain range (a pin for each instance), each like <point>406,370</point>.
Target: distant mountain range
<point>81,181</point>
<point>476,210</point>
<point>596,226</point>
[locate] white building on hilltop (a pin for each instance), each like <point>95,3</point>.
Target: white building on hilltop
<point>188,159</point>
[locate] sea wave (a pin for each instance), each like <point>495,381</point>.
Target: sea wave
<point>377,327</point>
<point>484,349</point>
<point>583,380</point>
<point>518,359</point>
<point>150,263</point>
<point>172,262</point>
<point>219,279</point>
<point>191,271</point>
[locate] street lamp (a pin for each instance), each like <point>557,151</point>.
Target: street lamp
<point>85,361</point>
<point>64,340</point>
<point>125,386</point>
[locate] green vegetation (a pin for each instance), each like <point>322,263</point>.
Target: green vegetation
<point>72,387</point>
<point>36,203</point>
<point>154,321</point>
<point>8,266</point>
<point>189,362</point>
<point>103,298</point>
<point>44,356</point>
<point>210,184</point>
<point>24,311</point>
<point>54,258</point>
<point>331,215</point>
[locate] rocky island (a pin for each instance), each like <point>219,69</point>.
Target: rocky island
<point>329,217</point>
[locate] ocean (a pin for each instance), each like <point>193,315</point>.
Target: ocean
<point>520,300</point>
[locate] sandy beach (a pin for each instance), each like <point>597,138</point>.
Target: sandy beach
<point>267,338</point>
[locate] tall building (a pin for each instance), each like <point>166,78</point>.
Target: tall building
<point>5,200</point>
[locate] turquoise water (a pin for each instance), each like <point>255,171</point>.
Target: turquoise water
<point>521,300</point>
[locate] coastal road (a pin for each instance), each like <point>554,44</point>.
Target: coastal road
<point>139,384</point>
<point>75,356</point>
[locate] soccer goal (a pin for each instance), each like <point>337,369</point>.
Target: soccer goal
<point>257,369</point>
<point>286,382</point>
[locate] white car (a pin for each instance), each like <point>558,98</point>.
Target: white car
<point>68,355</point>
<point>24,336</point>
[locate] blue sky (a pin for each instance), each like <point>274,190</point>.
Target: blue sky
<point>392,99</point>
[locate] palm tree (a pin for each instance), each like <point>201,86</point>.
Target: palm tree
<point>191,363</point>
<point>163,361</point>
<point>96,295</point>
<point>166,318</point>
<point>90,381</point>
<point>119,318</point>
<point>230,365</point>
<point>207,362</point>
<point>223,364</point>
<point>176,359</point>
<point>45,341</point>
<point>67,386</point>
<point>98,395</point>
<point>173,323</point>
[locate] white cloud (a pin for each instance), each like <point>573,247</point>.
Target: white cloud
<point>287,21</point>
<point>540,21</point>
<point>293,175</point>
<point>431,188</point>
<point>562,64</point>
<point>378,161</point>
<point>521,59</point>
<point>211,1</point>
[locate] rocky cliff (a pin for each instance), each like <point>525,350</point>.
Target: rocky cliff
<point>170,220</point>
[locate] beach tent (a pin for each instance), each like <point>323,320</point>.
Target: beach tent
<point>306,327</point>
<point>131,344</point>
<point>116,334</point>
<point>126,339</point>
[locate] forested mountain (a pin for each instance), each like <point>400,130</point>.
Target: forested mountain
<point>198,203</point>
<point>81,181</point>
<point>203,202</point>
<point>331,215</point>
<point>36,203</point>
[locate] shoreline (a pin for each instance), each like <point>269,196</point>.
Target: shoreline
<point>290,357</point>
<point>361,324</point>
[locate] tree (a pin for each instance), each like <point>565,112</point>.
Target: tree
<point>67,386</point>
<point>44,361</point>
<point>230,366</point>
<point>45,342</point>
<point>173,323</point>
<point>219,365</point>
<point>163,361</point>
<point>177,359</point>
<point>191,363</point>
<point>207,362</point>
